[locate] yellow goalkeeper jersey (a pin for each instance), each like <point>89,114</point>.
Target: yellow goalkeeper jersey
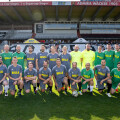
<point>76,57</point>
<point>88,57</point>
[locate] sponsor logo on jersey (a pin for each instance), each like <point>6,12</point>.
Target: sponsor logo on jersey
<point>53,59</point>
<point>63,59</point>
<point>44,75</point>
<point>116,56</point>
<point>7,58</point>
<point>15,72</point>
<point>100,57</point>
<point>1,71</point>
<point>30,58</point>
<point>30,75</point>
<point>108,55</point>
<point>74,75</point>
<point>59,73</point>
<point>86,76</point>
<point>19,58</point>
<point>43,56</point>
<point>116,76</point>
<point>100,73</point>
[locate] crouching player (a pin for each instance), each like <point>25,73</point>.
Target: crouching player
<point>45,77</point>
<point>30,76</point>
<point>15,76</point>
<point>115,76</point>
<point>3,74</point>
<point>87,75</point>
<point>59,75</point>
<point>74,76</point>
<point>103,76</point>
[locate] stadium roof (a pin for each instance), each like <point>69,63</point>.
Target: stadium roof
<point>55,11</point>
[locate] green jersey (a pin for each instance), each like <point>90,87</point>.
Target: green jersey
<point>21,57</point>
<point>98,58</point>
<point>87,74</point>
<point>109,58</point>
<point>115,77</point>
<point>116,58</point>
<point>7,58</point>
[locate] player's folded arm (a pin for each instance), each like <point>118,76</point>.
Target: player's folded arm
<point>40,77</point>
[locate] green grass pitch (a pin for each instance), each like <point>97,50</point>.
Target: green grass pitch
<point>45,106</point>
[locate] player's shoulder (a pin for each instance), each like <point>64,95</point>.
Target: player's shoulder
<point>14,53</point>
<point>107,67</point>
<point>19,65</point>
<point>34,70</point>
<point>26,70</point>
<point>56,54</point>
<point>78,69</point>
<point>46,53</point>
<point>10,66</point>
<point>49,69</point>
<point>98,66</point>
<point>49,54</point>
<point>41,69</point>
<point>114,69</point>
<point>63,66</point>
<point>4,67</point>
<point>54,67</point>
<point>83,69</point>
<point>70,70</point>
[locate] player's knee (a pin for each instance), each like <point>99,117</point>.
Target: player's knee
<point>51,83</point>
<point>109,81</point>
<point>12,93</point>
<point>112,91</point>
<point>21,83</point>
<point>66,82</point>
<point>34,82</point>
<point>59,89</point>
<point>43,90</point>
<point>0,92</point>
<point>84,90</point>
<point>91,83</point>
<point>5,83</point>
<point>27,91</point>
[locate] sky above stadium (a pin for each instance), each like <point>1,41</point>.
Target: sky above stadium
<point>34,0</point>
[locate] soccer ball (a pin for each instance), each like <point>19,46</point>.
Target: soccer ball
<point>75,93</point>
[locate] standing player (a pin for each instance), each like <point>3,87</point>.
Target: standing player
<point>40,58</point>
<point>75,77</point>
<point>109,57</point>
<point>21,57</point>
<point>15,76</point>
<point>103,76</point>
<point>59,75</point>
<point>65,60</point>
<point>76,56</point>
<point>52,57</point>
<point>31,57</point>
<point>88,56</point>
<point>87,75</point>
<point>115,76</point>
<point>3,74</point>
<point>6,56</point>
<point>45,77</point>
<point>99,55</point>
<point>30,75</point>
<point>117,55</point>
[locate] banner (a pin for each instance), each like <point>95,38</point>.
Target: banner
<point>96,3</point>
<point>39,3</point>
<point>31,40</point>
<point>24,3</point>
